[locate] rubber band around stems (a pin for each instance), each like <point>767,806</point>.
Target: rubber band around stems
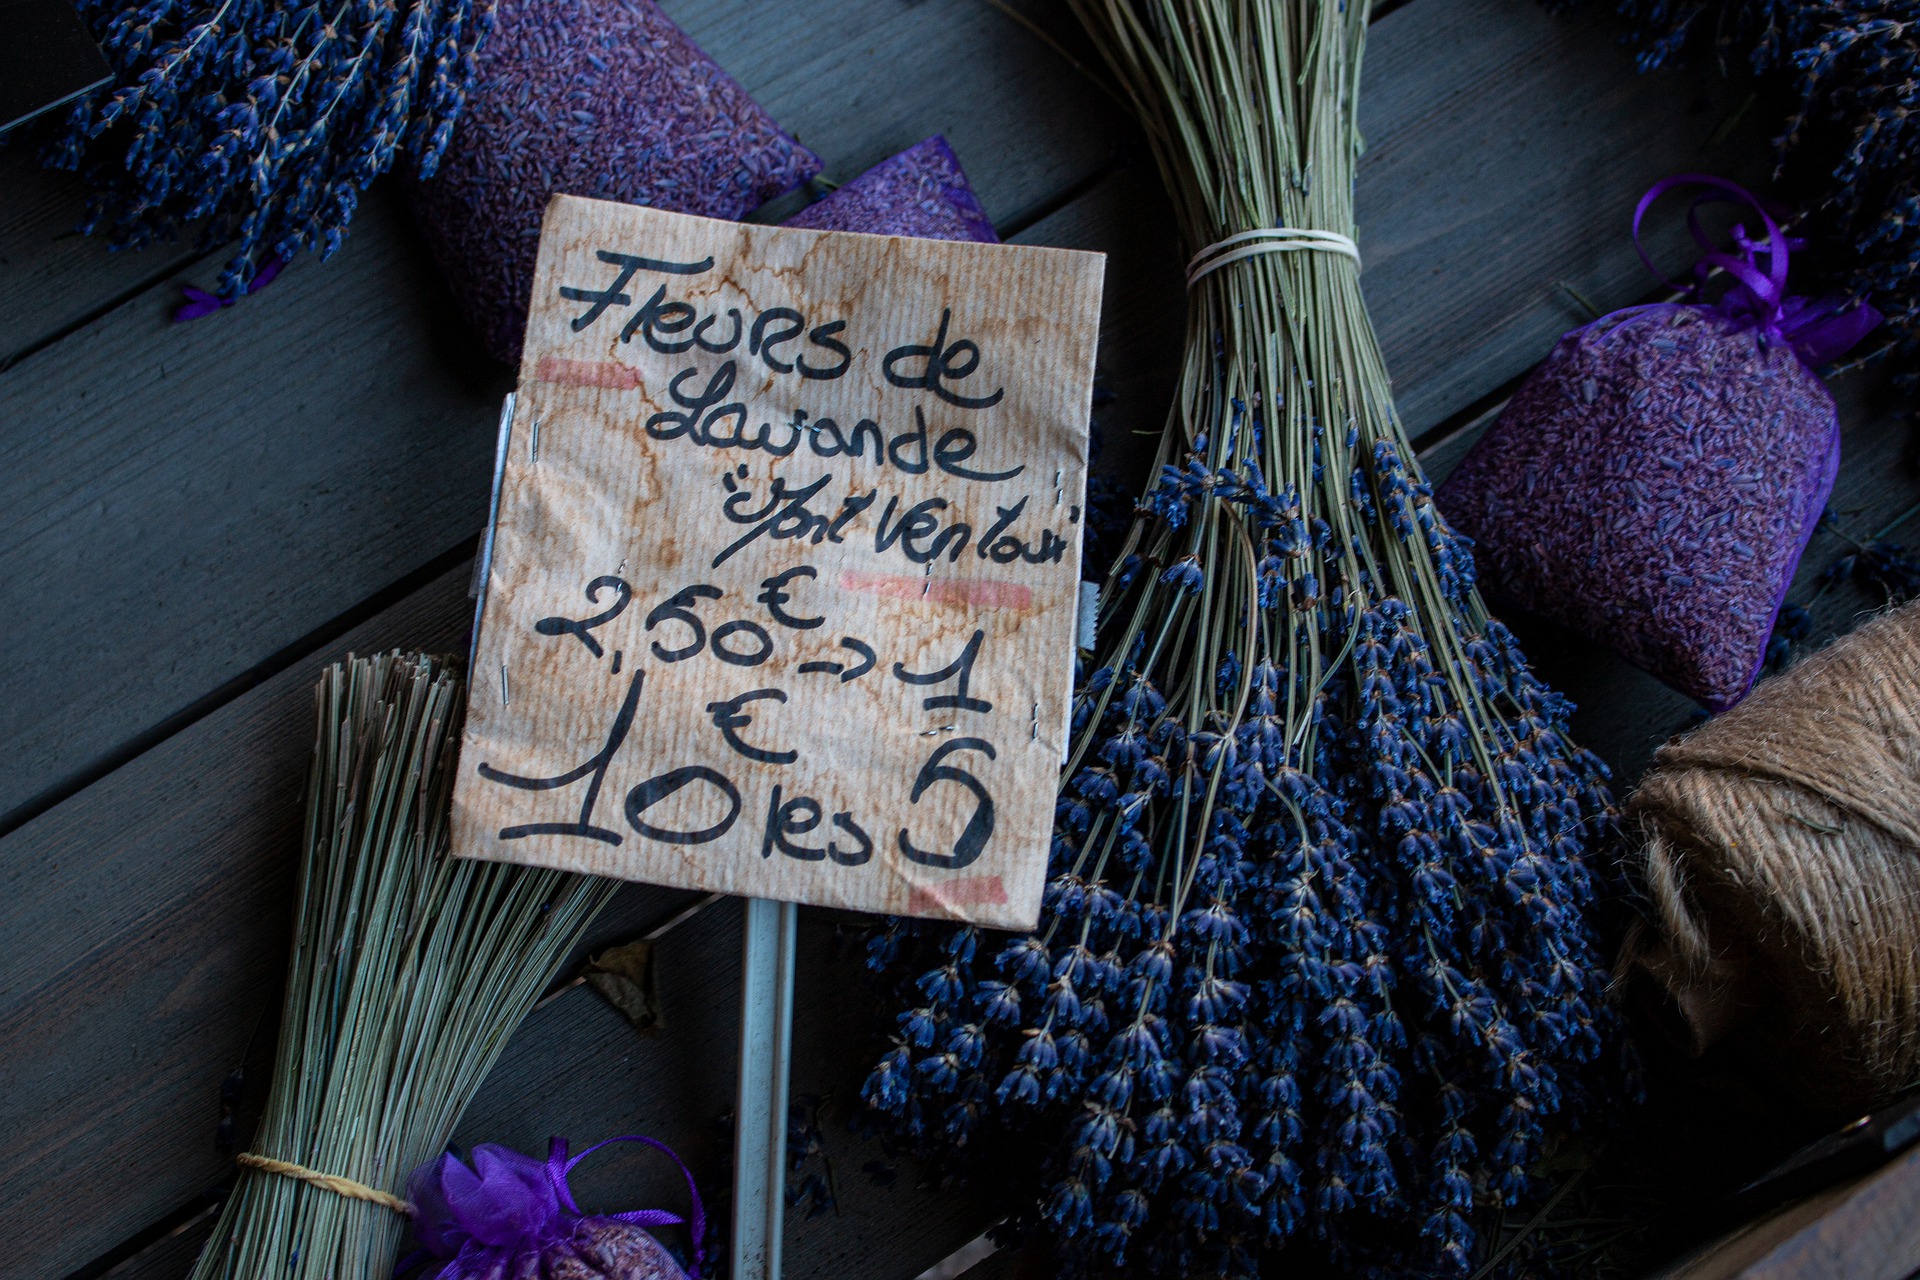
<point>1252,244</point>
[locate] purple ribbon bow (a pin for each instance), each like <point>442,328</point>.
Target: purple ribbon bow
<point>514,1202</point>
<point>1818,330</point>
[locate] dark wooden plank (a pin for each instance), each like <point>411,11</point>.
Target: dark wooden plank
<point>1023,128</point>
<point>232,484</point>
<point>877,76</point>
<point>182,501</point>
<point>50,276</point>
<point>1488,196</point>
<point>1865,1229</point>
<point>171,1257</point>
<point>147,927</point>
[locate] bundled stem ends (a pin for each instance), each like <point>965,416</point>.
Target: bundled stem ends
<point>410,969</point>
<point>1315,954</point>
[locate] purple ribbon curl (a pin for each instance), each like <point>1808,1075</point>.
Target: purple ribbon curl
<point>1819,330</point>
<point>515,1203</point>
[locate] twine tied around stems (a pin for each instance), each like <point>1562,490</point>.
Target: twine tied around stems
<point>327,1181</point>
<point>1781,861</point>
<point>1251,244</point>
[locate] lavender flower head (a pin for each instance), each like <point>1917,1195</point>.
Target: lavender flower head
<point>1842,83</point>
<point>261,122</point>
<point>600,98</point>
<point>1654,482</point>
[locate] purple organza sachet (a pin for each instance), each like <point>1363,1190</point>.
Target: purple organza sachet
<point>1653,483</point>
<point>600,98</point>
<point>511,1217</point>
<point>920,192</point>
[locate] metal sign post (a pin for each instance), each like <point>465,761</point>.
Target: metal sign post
<point>760,1109</point>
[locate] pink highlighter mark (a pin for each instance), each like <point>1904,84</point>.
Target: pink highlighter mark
<point>610,374</point>
<point>983,593</point>
<point>944,897</point>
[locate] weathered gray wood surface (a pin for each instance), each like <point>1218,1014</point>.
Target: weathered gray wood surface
<point>172,1255</point>
<point>188,510</point>
<point>217,492</point>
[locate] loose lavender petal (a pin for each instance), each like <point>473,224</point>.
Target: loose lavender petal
<point>600,98</point>
<point>1652,485</point>
<point>920,192</point>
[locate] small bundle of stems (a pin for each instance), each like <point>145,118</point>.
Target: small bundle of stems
<point>1315,955</point>
<point>410,969</point>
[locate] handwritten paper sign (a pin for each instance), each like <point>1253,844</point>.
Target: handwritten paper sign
<point>783,577</point>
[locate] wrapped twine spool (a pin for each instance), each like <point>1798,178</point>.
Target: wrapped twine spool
<point>1782,858</point>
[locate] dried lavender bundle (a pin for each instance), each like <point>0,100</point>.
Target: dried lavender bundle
<point>600,98</point>
<point>264,118</point>
<point>410,969</point>
<point>1314,956</point>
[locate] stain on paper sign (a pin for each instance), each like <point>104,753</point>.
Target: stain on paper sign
<point>782,591</point>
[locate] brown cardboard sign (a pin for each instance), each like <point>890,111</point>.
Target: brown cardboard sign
<point>781,593</point>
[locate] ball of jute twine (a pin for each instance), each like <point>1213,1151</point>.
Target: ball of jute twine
<point>1781,854</point>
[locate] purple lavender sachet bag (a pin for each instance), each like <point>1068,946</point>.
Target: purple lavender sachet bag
<point>1654,482</point>
<point>920,192</point>
<point>511,1216</point>
<point>600,98</point>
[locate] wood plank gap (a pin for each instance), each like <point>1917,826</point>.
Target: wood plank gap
<point>153,280</point>
<point>259,674</point>
<point>1385,7</point>
<point>1042,209</point>
<point>194,1214</point>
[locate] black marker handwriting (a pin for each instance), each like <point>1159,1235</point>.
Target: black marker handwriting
<point>774,595</point>
<point>861,647</point>
<point>729,719</point>
<point>582,628</point>
<point>656,789</point>
<point>594,767</point>
<point>960,671</point>
<point>940,362</point>
<point>612,295</point>
<point>973,839</point>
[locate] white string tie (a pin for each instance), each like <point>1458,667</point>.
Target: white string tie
<point>1251,244</point>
